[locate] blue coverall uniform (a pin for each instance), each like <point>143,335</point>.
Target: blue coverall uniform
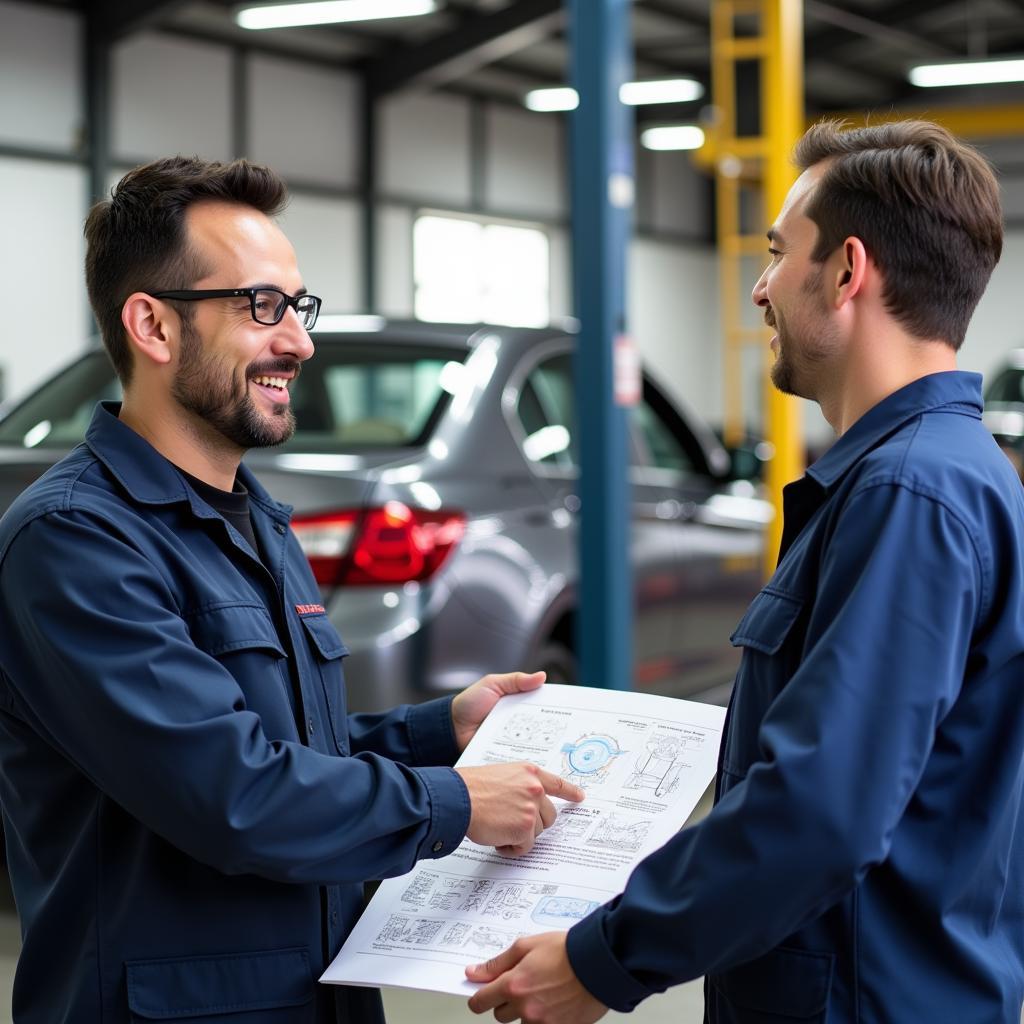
<point>865,860</point>
<point>189,810</point>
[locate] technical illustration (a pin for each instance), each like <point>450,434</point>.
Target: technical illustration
<point>590,758</point>
<point>559,911</point>
<point>658,766</point>
<point>622,834</point>
<point>532,729</point>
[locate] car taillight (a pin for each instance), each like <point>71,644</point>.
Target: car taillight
<point>378,546</point>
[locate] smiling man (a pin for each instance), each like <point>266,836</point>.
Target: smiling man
<point>864,861</point>
<point>189,811</point>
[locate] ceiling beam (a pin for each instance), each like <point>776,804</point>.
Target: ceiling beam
<point>478,41</point>
<point>114,19</point>
<point>666,10</point>
<point>824,42</point>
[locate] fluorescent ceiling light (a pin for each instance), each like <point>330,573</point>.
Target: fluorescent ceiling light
<point>329,12</point>
<point>666,90</point>
<point>561,98</point>
<point>678,136</point>
<point>968,72</point>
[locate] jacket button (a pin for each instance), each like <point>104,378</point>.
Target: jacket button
<point>438,846</point>
<point>280,527</point>
<point>312,726</point>
<point>334,917</point>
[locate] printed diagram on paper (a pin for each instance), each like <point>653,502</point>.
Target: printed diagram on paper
<point>642,760</point>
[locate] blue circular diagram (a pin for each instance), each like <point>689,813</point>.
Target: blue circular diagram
<point>590,754</point>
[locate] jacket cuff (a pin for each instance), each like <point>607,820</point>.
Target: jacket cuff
<point>449,812</point>
<point>432,732</point>
<point>595,966</point>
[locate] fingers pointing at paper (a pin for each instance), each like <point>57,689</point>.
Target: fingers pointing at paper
<point>510,805</point>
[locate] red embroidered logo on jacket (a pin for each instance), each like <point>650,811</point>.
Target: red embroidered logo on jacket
<point>310,609</point>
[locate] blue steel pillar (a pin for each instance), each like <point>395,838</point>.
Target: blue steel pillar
<point>601,158</point>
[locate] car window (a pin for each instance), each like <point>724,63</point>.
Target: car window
<point>663,448</point>
<point>351,396</point>
<point>58,414</point>
<point>545,411</point>
<point>665,440</point>
<point>372,396</point>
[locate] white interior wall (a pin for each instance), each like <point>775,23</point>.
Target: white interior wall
<point>326,235</point>
<point>524,167</point>
<point>425,148</point>
<point>168,96</point>
<point>40,73</point>
<point>998,325</point>
<point>42,203</point>
<point>42,207</point>
<point>302,120</point>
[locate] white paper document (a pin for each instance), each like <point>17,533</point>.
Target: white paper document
<point>644,762</point>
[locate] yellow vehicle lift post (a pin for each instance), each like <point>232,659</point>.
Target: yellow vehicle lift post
<point>759,167</point>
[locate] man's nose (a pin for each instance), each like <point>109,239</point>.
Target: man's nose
<point>292,338</point>
<point>759,296</point>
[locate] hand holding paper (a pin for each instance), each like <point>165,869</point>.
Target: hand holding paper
<point>533,978</point>
<point>476,702</point>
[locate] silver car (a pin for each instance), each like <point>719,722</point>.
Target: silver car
<point>433,475</point>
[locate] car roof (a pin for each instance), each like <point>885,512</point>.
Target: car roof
<point>418,332</point>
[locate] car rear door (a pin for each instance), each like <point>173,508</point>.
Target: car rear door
<point>544,416</point>
<point>716,538</point>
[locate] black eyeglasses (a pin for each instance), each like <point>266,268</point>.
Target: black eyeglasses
<point>267,305</point>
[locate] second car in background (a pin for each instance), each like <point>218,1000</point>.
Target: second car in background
<point>434,479</point>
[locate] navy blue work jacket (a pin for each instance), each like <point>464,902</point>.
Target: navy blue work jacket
<point>865,860</point>
<point>188,808</point>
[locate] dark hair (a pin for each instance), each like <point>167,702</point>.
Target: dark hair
<point>925,205</point>
<point>137,239</point>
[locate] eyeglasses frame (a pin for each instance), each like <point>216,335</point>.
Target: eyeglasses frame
<point>197,294</point>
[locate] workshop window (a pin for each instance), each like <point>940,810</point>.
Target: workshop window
<point>467,270</point>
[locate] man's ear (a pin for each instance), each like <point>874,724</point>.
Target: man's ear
<point>151,327</point>
<point>850,270</point>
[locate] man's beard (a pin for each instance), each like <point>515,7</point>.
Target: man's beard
<point>796,367</point>
<point>222,401</point>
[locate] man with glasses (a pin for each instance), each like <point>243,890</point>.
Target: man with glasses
<point>189,810</point>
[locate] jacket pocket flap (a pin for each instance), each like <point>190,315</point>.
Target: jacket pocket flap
<point>180,988</point>
<point>325,636</point>
<point>768,619</point>
<point>792,983</point>
<point>233,626</point>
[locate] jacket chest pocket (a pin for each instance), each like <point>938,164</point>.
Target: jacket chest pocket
<point>328,653</point>
<point>771,634</point>
<point>242,637</point>
<point>271,987</point>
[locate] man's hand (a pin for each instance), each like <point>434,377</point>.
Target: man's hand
<point>509,805</point>
<point>474,704</point>
<point>534,981</point>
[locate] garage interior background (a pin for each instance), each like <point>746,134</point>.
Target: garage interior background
<point>186,79</point>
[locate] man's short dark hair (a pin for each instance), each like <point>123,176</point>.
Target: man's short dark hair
<point>137,239</point>
<point>925,205</point>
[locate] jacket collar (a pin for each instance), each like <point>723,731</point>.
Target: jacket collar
<point>949,389</point>
<point>148,476</point>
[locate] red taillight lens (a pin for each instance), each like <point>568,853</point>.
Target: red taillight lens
<point>378,546</point>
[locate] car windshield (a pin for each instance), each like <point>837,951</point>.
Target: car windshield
<point>355,395</point>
